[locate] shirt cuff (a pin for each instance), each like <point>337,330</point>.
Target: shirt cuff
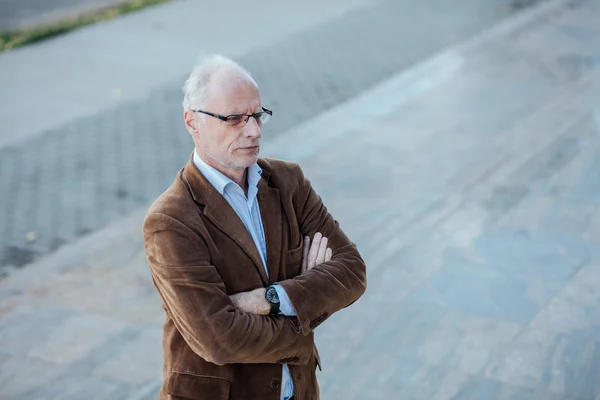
<point>285,306</point>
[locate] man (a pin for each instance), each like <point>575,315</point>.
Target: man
<point>244,255</point>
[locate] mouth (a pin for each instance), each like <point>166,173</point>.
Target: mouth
<point>250,148</point>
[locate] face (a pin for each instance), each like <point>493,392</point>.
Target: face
<point>228,148</point>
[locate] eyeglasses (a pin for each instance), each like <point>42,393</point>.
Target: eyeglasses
<point>241,119</point>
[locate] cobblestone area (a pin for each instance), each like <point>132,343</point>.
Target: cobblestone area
<point>73,180</point>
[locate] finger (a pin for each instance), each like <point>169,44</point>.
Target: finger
<point>328,254</point>
<point>322,251</point>
<point>305,248</point>
<point>314,251</point>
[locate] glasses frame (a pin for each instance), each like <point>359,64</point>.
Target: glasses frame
<point>226,117</point>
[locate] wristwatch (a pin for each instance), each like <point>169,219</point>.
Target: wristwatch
<point>273,299</point>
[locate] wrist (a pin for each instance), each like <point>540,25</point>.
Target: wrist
<point>262,305</point>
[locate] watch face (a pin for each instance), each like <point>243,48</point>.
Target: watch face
<point>272,296</point>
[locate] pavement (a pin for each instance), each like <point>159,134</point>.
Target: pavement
<point>91,121</point>
<point>19,14</point>
<point>469,182</point>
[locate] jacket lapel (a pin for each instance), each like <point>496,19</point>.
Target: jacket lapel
<point>270,212</point>
<point>220,213</point>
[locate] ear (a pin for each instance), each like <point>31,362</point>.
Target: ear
<point>191,122</point>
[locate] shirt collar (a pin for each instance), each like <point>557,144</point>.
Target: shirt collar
<point>221,181</point>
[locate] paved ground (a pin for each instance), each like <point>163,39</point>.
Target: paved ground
<point>15,14</point>
<point>478,176</point>
<point>104,134</point>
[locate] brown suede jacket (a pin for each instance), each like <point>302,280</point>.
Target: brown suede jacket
<point>199,253</point>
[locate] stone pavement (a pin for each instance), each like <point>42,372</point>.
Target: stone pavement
<point>470,184</point>
<point>16,14</point>
<point>91,124</point>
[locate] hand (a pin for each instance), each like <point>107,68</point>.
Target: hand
<point>315,253</point>
<point>252,302</point>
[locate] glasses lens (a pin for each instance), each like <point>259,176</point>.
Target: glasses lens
<point>235,119</point>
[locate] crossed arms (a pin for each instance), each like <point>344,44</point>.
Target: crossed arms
<point>314,252</point>
<point>208,319</point>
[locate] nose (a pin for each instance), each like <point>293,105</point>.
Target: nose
<point>252,129</point>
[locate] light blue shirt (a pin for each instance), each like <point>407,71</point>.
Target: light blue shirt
<point>249,212</point>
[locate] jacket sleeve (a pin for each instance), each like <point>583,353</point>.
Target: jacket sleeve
<point>195,298</point>
<point>332,285</point>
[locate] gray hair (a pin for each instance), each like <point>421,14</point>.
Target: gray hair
<point>195,87</point>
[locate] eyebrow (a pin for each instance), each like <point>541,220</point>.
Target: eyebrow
<point>229,111</point>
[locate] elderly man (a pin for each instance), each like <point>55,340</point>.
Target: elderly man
<point>244,255</point>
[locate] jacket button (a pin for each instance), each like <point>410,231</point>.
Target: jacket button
<point>275,384</point>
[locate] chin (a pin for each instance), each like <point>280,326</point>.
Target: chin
<point>250,160</point>
<point>245,162</point>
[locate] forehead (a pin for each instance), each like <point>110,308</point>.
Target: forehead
<point>233,92</point>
